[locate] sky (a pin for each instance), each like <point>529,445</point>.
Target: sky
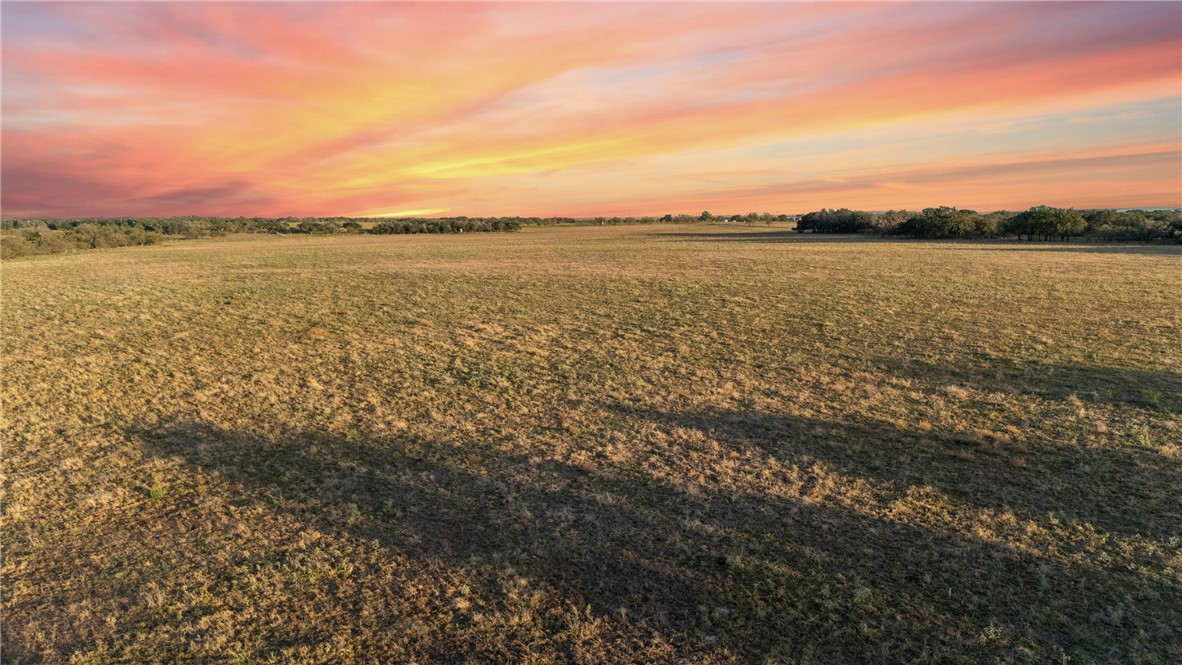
<point>389,109</point>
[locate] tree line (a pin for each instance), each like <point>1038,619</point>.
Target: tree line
<point>20,237</point>
<point>1037,223</point>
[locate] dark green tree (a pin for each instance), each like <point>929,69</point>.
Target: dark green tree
<point>1046,223</point>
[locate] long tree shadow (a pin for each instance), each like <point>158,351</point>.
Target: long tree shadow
<point>1123,490</point>
<point>1155,390</point>
<point>1130,247</point>
<point>762,236</point>
<point>764,577</point>
<point>1162,249</point>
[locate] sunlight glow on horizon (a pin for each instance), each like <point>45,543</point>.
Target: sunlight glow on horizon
<point>424,212</point>
<point>582,110</point>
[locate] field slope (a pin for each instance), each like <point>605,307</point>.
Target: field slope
<point>644,443</point>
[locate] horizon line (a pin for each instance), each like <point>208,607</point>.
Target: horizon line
<point>387,217</point>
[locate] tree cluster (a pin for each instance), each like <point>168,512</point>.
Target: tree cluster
<point>445,226</point>
<point>43,240</point>
<point>49,236</point>
<point>1037,223</point>
<point>836,221</point>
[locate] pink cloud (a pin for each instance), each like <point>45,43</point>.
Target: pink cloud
<point>341,108</point>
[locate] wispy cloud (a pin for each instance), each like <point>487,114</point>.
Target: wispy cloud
<point>359,108</point>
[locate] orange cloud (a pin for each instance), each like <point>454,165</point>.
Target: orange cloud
<point>355,108</point>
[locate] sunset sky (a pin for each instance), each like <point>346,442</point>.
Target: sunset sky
<point>370,109</point>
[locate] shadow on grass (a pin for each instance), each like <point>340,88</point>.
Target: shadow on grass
<point>763,237</point>
<point>781,236</point>
<point>1159,391</point>
<point>766,577</point>
<point>1122,490</point>
<point>1131,247</point>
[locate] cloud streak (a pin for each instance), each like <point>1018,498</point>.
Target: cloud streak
<point>367,108</point>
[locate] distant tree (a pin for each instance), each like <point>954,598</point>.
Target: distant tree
<point>836,221</point>
<point>889,222</point>
<point>1046,222</point>
<point>1175,227</point>
<point>941,222</point>
<point>1070,224</point>
<point>705,216</point>
<point>1116,225</point>
<point>991,224</point>
<point>311,226</point>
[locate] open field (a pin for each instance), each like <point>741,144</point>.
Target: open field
<point>650,443</point>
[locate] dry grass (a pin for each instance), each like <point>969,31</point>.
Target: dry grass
<point>595,444</point>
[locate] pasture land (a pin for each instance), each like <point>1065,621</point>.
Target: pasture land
<point>595,444</point>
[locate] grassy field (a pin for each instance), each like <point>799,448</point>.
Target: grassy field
<point>596,444</point>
